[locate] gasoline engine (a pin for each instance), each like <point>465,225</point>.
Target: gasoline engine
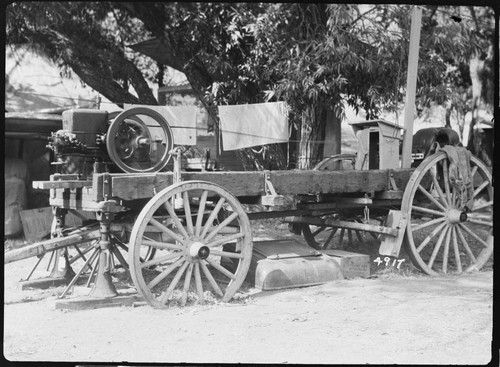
<point>137,140</point>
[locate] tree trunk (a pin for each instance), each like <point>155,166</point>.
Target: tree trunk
<point>447,116</point>
<point>333,135</point>
<point>312,134</point>
<point>95,66</point>
<point>480,142</point>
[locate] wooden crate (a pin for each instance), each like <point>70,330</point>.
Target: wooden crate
<point>37,222</point>
<point>353,265</point>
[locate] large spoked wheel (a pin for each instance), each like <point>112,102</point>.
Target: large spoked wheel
<point>322,237</point>
<point>443,235</point>
<point>203,230</point>
<point>139,140</point>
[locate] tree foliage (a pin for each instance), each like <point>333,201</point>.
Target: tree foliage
<point>315,57</point>
<point>81,37</point>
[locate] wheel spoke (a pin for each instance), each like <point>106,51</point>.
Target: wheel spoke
<point>51,257</point>
<point>187,283</point>
<point>358,234</point>
<point>120,244</point>
<point>221,269</point>
<point>431,235</point>
<point>465,244</point>
<point>119,256</point>
<point>437,187</point>
<point>176,219</point>
<point>75,278</point>
<point>446,180</point>
<point>93,271</point>
<point>187,210</point>
<point>201,212</point>
<point>426,211</point>
<point>74,258</point>
<point>437,246</point>
<point>233,255</point>
<point>211,279</point>
<point>225,239</point>
<point>318,231</point>
<point>164,229</point>
<point>162,245</point>
<point>427,224</point>
<point>330,237</point>
<point>36,265</point>
<point>341,237</point>
<point>80,253</point>
<point>174,282</point>
<point>475,236</point>
<point>221,226</point>
<point>212,217</point>
<point>160,259</point>
<point>455,248</point>
<point>480,222</point>
<point>483,206</point>
<point>480,188</point>
<point>199,284</point>
<point>431,198</point>
<point>446,250</point>
<point>165,273</point>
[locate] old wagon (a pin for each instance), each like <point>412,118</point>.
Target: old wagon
<point>184,233</point>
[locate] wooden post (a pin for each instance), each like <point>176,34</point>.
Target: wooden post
<point>411,84</point>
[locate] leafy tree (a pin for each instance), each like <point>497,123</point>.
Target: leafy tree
<point>316,57</point>
<point>85,38</point>
<point>313,56</point>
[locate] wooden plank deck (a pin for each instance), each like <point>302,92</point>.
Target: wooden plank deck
<point>252,183</point>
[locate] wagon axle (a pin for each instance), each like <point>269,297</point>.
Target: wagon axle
<point>198,250</point>
<point>456,216</point>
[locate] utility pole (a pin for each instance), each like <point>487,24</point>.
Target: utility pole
<point>411,85</point>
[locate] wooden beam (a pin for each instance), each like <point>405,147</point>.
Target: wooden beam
<point>40,248</point>
<point>132,187</point>
<point>144,186</point>
<point>66,184</point>
<point>334,182</point>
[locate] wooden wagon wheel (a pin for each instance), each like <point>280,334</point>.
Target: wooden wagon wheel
<point>336,162</point>
<point>197,244</point>
<point>442,235</point>
<point>136,146</point>
<point>322,238</point>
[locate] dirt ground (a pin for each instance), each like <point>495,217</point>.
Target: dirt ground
<point>393,317</point>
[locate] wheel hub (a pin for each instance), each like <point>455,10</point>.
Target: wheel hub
<point>198,250</point>
<point>456,216</point>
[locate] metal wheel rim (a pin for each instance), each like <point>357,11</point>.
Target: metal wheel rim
<point>450,242</point>
<point>180,260</point>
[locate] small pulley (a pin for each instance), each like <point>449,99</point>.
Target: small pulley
<point>139,140</point>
